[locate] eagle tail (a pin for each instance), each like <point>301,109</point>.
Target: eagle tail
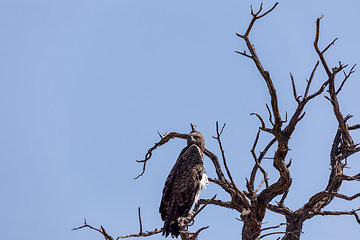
<point>171,227</point>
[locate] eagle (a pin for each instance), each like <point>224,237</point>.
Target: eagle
<point>183,184</point>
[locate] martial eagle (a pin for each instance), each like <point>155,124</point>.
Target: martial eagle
<point>184,183</point>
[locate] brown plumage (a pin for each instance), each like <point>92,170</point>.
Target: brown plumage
<point>184,183</point>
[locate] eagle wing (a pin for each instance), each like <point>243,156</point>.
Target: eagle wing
<point>181,187</point>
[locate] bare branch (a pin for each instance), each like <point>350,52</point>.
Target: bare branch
<point>160,135</point>
<point>218,134</point>
<point>296,97</point>
<point>217,165</point>
<point>263,127</point>
<point>268,234</point>
<point>268,228</point>
<point>101,230</point>
<point>279,209</point>
<point>259,159</point>
<point>338,213</point>
<point>144,234</point>
<point>220,203</point>
<point>140,223</point>
<point>281,203</point>
<point>323,194</point>
<point>141,233</point>
<point>205,204</point>
<point>310,79</point>
<point>244,53</point>
<point>320,53</point>
<point>163,140</point>
<point>194,235</point>
<point>257,16</point>
<point>328,46</point>
<point>264,74</point>
<point>261,183</point>
<point>270,115</point>
<point>346,78</point>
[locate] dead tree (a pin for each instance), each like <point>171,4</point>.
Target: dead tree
<point>253,202</point>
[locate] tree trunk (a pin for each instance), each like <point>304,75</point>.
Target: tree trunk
<point>294,227</point>
<point>251,228</point>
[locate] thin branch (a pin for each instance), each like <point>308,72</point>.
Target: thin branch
<point>101,230</point>
<point>220,203</point>
<point>218,134</point>
<point>244,53</point>
<point>310,79</point>
<point>320,53</point>
<point>163,140</point>
<point>194,235</point>
<point>270,115</point>
<point>141,233</point>
<point>281,203</point>
<point>328,46</point>
<point>140,223</point>
<point>338,213</point>
<point>323,194</point>
<point>205,204</point>
<point>279,209</point>
<point>144,234</point>
<point>217,166</point>
<point>263,127</point>
<point>257,16</point>
<point>296,97</point>
<point>260,184</point>
<point>268,234</point>
<point>354,127</point>
<point>259,159</point>
<point>346,78</point>
<point>268,228</point>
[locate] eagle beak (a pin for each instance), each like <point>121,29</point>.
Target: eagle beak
<point>192,139</point>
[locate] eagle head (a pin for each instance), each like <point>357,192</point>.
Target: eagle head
<point>196,138</point>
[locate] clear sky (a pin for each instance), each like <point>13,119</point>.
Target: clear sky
<point>86,85</point>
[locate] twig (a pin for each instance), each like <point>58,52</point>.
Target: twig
<point>261,120</point>
<point>296,97</point>
<point>346,77</point>
<point>268,234</point>
<point>328,46</point>
<point>310,79</point>
<point>140,223</point>
<point>205,204</point>
<point>218,134</point>
<point>101,230</point>
<point>270,119</point>
<point>265,229</point>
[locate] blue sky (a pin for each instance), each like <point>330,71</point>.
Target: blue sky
<point>85,85</point>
